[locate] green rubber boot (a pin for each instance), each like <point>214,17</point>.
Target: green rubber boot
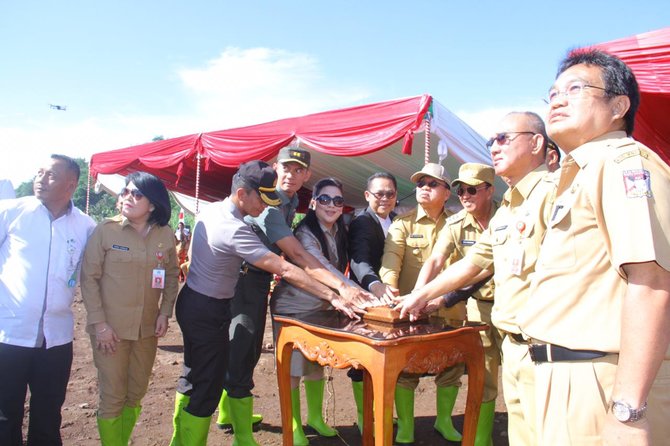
<point>404,407</point>
<point>299,438</point>
<point>487,413</point>
<point>193,431</point>
<point>241,410</point>
<point>129,417</point>
<point>110,431</point>
<point>223,420</point>
<point>180,401</point>
<point>358,397</point>
<point>314,397</point>
<point>446,399</point>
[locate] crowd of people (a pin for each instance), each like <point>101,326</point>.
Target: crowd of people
<point>570,272</point>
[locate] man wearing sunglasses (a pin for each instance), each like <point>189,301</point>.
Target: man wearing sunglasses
<point>408,245</point>
<point>475,190</point>
<point>509,246</point>
<point>250,303</point>
<point>599,311</point>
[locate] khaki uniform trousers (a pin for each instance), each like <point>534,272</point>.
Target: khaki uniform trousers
<point>658,403</point>
<point>450,376</point>
<point>123,377</point>
<point>572,400</point>
<point>480,311</point>
<point>518,379</point>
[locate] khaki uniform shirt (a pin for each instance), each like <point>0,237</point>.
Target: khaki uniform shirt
<point>458,237</point>
<point>515,233</point>
<point>611,208</point>
<point>116,277</point>
<point>408,245</point>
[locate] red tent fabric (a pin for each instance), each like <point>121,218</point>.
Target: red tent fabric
<point>648,55</point>
<point>346,132</point>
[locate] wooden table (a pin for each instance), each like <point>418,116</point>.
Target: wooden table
<point>383,351</point>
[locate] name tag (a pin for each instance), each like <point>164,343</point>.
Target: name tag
<point>120,248</point>
<point>158,278</point>
<point>501,228</point>
<point>416,236</point>
<point>468,242</point>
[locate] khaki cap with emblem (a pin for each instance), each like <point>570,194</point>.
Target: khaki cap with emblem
<point>294,155</point>
<point>260,176</point>
<point>474,174</point>
<point>432,170</point>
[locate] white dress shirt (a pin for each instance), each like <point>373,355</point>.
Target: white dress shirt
<point>39,271</point>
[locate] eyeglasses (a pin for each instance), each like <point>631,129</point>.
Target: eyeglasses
<point>574,91</point>
<point>325,200</point>
<point>432,183</point>
<point>384,194</point>
<point>504,138</point>
<point>135,193</point>
<point>471,190</point>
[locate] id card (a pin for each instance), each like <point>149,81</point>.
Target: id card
<point>158,278</point>
<point>516,260</point>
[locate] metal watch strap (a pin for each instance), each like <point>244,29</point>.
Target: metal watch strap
<point>635,414</point>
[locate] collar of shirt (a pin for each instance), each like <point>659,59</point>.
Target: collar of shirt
<point>229,206</point>
<point>594,148</point>
<point>526,185</point>
<point>286,200</point>
<point>421,213</point>
<point>385,223</point>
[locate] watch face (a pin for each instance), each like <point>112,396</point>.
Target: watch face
<point>621,411</point>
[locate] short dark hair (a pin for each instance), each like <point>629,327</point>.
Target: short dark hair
<point>156,192</point>
<point>617,77</point>
<point>239,183</point>
<point>384,175</point>
<point>70,164</point>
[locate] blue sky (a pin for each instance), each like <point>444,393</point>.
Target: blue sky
<point>130,70</point>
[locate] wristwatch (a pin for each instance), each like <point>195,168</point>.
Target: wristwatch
<point>626,414</point>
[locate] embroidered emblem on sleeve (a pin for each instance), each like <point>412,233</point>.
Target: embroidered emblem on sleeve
<point>637,183</point>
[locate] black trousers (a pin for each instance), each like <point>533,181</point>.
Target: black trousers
<point>204,323</point>
<point>46,372</point>
<point>249,309</point>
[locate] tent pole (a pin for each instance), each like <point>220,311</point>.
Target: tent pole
<point>88,186</point>
<point>426,157</point>
<point>197,184</point>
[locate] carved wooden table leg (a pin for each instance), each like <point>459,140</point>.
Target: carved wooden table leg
<point>474,360</point>
<point>284,350</point>
<point>368,413</point>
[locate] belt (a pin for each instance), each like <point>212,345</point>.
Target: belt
<point>556,353</point>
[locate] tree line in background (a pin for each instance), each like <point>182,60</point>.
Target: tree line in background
<point>101,205</point>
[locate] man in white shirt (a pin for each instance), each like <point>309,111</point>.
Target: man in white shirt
<point>42,239</point>
<point>6,189</point>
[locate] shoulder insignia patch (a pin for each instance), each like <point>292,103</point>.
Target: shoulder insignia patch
<point>456,217</point>
<point>631,153</point>
<point>637,183</point>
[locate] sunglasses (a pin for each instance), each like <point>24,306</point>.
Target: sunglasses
<point>383,194</point>
<point>471,190</point>
<point>135,193</point>
<point>432,183</point>
<point>504,138</point>
<point>325,200</point>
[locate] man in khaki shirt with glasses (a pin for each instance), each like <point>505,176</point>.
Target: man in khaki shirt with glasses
<point>599,311</point>
<point>510,245</point>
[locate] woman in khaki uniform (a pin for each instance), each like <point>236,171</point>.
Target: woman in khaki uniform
<point>129,286</point>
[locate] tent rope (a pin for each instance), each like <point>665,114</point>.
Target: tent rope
<point>197,184</point>
<point>427,139</point>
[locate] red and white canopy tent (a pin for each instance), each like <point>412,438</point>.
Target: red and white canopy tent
<point>349,144</point>
<point>648,55</point>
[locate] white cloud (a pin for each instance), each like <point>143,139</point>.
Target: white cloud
<point>239,87</point>
<point>485,121</point>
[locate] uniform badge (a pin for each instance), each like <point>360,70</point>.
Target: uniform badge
<point>637,183</point>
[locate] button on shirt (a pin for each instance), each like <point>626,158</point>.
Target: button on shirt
<point>39,269</point>
<point>221,241</point>
<point>408,245</point>
<point>615,211</point>
<point>518,226</point>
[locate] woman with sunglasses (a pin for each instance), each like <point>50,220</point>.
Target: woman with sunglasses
<point>323,234</point>
<point>129,285</point>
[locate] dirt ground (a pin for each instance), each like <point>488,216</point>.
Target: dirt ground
<point>155,424</point>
